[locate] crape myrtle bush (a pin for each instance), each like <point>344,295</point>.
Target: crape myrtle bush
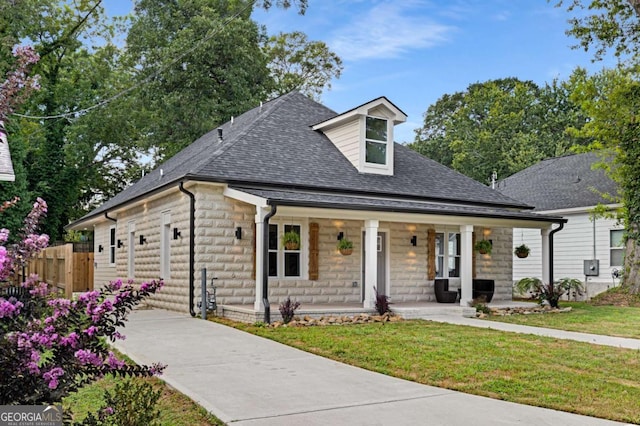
<point>51,346</point>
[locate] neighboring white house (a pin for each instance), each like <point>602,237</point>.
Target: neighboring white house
<point>291,164</point>
<point>570,187</point>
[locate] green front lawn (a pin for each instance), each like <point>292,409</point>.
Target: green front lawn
<point>559,374</point>
<point>585,318</point>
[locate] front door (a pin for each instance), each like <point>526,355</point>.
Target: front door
<point>382,264</point>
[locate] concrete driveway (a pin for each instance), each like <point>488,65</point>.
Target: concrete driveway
<point>248,380</point>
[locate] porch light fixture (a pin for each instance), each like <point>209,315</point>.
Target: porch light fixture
<point>176,234</point>
<point>340,236</point>
<point>238,232</point>
<point>100,248</point>
<point>414,240</point>
<point>120,243</point>
<point>143,240</point>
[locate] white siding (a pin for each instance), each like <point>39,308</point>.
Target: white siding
<point>347,139</point>
<point>102,271</point>
<point>572,245</point>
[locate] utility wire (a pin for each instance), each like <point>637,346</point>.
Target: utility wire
<point>210,35</point>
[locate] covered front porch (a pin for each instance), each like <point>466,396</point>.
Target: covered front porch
<point>414,243</point>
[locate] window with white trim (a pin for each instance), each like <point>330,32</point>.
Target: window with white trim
<point>284,262</point>
<point>447,253</point>
<point>616,247</point>
<point>376,141</point>
<point>165,246</point>
<point>112,246</point>
<point>132,250</point>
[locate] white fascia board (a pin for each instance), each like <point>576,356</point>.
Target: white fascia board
<point>433,219</point>
<point>245,197</point>
<point>363,110</point>
<point>586,209</point>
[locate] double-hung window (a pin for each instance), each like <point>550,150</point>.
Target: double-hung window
<point>447,255</point>
<point>616,247</point>
<point>376,141</point>
<point>284,262</point>
<point>112,246</point>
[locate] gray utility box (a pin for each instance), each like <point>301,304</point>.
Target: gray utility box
<point>592,267</point>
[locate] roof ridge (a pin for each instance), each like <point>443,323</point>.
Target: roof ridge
<point>276,103</point>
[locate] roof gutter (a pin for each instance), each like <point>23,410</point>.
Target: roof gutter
<point>551,250</point>
<point>192,245</point>
<point>265,263</point>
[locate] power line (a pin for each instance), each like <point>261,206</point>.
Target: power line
<point>212,33</point>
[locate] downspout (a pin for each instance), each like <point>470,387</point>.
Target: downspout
<point>265,264</point>
<point>192,246</point>
<point>551,250</point>
<point>106,215</point>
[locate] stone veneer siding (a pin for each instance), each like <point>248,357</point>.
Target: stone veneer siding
<point>231,260</point>
<point>498,265</point>
<point>147,217</point>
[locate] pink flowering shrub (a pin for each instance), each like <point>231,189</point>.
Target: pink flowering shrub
<point>50,346</point>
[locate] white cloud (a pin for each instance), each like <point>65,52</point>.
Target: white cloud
<point>387,30</point>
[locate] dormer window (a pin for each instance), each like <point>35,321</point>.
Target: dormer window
<point>364,135</point>
<point>376,141</point>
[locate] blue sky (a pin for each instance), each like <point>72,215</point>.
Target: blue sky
<point>415,51</point>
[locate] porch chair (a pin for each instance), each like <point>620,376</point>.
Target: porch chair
<point>443,294</point>
<point>483,288</point>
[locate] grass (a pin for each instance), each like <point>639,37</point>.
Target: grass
<point>569,376</point>
<point>175,408</point>
<point>585,318</point>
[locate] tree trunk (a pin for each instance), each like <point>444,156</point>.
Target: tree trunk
<point>631,278</point>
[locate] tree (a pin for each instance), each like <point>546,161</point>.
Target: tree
<point>500,125</point>
<point>74,153</point>
<point>199,63</point>
<point>296,63</point>
<point>612,101</point>
<point>13,91</point>
<point>613,24</point>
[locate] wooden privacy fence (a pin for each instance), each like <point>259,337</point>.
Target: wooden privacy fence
<point>63,268</point>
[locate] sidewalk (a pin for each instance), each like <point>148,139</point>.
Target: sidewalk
<point>596,339</point>
<point>247,380</point>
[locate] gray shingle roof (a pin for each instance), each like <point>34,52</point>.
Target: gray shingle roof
<point>274,145</point>
<point>351,202</point>
<point>560,183</point>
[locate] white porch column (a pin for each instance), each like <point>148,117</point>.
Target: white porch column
<point>545,256</point>
<point>466,264</point>
<point>258,305</point>
<point>371,263</point>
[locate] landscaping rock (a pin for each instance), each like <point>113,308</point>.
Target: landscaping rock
<point>528,310</point>
<point>308,321</point>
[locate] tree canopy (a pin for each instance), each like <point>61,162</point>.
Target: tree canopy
<point>296,63</point>
<point>502,125</point>
<point>104,107</point>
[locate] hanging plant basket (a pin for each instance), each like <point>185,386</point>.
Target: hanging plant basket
<point>483,246</point>
<point>345,246</point>
<point>292,245</point>
<point>522,251</point>
<point>291,240</point>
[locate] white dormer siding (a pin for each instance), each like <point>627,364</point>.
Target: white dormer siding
<point>364,135</point>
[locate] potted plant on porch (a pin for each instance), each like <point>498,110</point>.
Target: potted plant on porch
<point>522,251</point>
<point>291,240</point>
<point>483,247</point>
<point>345,246</point>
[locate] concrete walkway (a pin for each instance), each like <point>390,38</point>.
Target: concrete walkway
<point>596,339</point>
<point>247,380</point>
